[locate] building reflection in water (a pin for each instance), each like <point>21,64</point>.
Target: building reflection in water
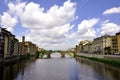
<point>10,72</point>
<point>100,70</point>
<point>84,68</point>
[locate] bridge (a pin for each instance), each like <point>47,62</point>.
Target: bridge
<point>63,53</point>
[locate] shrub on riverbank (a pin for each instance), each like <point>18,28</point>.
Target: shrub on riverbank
<point>104,60</point>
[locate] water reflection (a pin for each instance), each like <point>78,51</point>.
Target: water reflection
<point>58,55</point>
<point>51,69</point>
<point>10,72</point>
<point>97,70</point>
<point>59,69</point>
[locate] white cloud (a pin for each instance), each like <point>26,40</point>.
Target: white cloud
<point>7,21</point>
<point>109,28</point>
<point>112,11</point>
<point>49,29</point>
<point>86,29</point>
<point>55,16</point>
<point>16,9</point>
<point>10,18</point>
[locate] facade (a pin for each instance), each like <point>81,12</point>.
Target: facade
<point>30,48</point>
<point>115,42</point>
<point>23,46</point>
<point>76,50</point>
<point>118,37</point>
<point>20,48</point>
<point>86,46</point>
<point>102,45</point>
<point>10,47</point>
<point>98,45</point>
<point>16,47</point>
<point>8,44</point>
<point>80,46</point>
<point>27,47</point>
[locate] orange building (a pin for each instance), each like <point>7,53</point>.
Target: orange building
<point>27,47</point>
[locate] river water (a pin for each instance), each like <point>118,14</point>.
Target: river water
<point>58,68</point>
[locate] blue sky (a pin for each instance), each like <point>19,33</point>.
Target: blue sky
<point>60,24</point>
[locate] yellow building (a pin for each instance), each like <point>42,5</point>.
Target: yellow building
<point>27,47</point>
<point>115,42</point>
<point>118,37</point>
<point>84,47</point>
<point>87,48</point>
<point>30,48</point>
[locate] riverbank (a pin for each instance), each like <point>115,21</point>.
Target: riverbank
<point>104,59</point>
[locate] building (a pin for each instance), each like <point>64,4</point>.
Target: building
<point>85,46</point>
<point>16,47</point>
<point>102,45</point>
<point>76,50</point>
<point>22,45</point>
<point>8,44</point>
<point>30,48</point>
<point>20,48</point>
<point>27,47</point>
<point>115,42</point>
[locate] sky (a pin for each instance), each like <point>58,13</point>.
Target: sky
<point>60,24</point>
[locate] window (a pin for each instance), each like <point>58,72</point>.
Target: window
<point>1,37</point>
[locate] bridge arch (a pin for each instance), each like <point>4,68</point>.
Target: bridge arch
<point>63,54</point>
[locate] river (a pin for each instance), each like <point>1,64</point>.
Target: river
<point>58,68</point>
